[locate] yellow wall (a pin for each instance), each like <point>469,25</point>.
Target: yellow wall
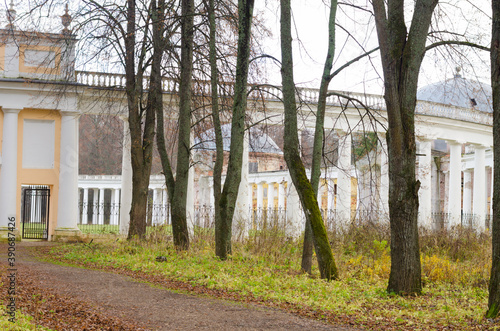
<point>48,177</point>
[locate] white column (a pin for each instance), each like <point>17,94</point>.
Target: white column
<point>281,195</point>
<point>384,177</point>
<point>126,190</point>
<point>85,206</point>
<point>164,208</point>
<point>116,206</point>
<point>270,196</point>
<point>67,210</point>
<point>211,197</point>
<point>95,205</point>
<point>446,175</point>
<point>156,205</point>
<point>479,199</point>
<point>293,211</point>
<point>8,173</point>
<point>467,192</point>
<point>101,206</point>
<point>424,176</point>
<point>319,196</point>
<point>241,217</point>
<point>190,199</point>
<point>260,195</point>
<point>112,207</point>
<point>491,195</point>
<point>344,179</point>
<point>455,184</point>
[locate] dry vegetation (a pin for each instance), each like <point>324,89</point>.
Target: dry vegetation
<point>266,269</point>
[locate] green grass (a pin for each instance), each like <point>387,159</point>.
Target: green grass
<point>455,292</point>
<point>115,229</point>
<point>99,228</point>
<point>22,322</point>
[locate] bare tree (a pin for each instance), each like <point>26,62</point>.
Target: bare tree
<point>402,51</point>
<point>231,185</point>
<point>494,287</point>
<point>307,196</point>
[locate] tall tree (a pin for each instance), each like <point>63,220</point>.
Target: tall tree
<point>141,134</point>
<point>179,197</point>
<point>494,287</point>
<point>178,186</point>
<point>326,262</point>
<point>326,77</point>
<point>233,177</point>
<point>221,251</point>
<point>402,52</point>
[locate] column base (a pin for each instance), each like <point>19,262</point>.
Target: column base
<point>4,234</point>
<point>67,235</point>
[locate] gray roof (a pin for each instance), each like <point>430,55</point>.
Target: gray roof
<point>259,141</point>
<point>459,92</point>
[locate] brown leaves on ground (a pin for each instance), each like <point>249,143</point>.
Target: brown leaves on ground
<point>56,311</point>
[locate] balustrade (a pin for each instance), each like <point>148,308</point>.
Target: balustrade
<point>308,95</point>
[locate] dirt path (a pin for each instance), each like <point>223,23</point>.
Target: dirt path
<point>122,303</point>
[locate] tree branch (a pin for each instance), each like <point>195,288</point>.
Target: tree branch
<point>457,42</point>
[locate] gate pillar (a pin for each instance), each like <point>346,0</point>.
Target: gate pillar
<point>8,173</point>
<point>67,213</point>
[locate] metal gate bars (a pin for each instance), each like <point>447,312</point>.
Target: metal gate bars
<point>35,213</point>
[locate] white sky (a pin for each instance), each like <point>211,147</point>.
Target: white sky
<point>311,18</point>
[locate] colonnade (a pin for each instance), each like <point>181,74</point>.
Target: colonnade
<point>95,206</point>
<point>98,205</point>
<point>274,190</point>
<point>462,199</point>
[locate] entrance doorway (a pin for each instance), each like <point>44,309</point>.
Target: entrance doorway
<point>35,212</point>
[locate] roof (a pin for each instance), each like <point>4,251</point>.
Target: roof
<point>259,141</point>
<point>459,92</point>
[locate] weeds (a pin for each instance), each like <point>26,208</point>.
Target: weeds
<point>266,266</point>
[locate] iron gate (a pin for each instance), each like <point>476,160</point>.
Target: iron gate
<point>35,213</point>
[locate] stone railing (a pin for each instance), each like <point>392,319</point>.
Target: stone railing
<point>452,112</point>
<point>307,95</point>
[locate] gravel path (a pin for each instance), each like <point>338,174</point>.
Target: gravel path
<point>139,305</point>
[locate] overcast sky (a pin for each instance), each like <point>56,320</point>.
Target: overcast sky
<point>311,16</point>
<point>463,17</point>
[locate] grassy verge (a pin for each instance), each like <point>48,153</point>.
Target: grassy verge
<point>266,269</point>
<point>23,322</point>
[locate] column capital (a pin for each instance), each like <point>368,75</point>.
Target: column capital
<point>455,142</point>
<point>479,146</point>
<point>343,132</point>
<point>72,113</point>
<point>426,138</point>
<point>11,110</point>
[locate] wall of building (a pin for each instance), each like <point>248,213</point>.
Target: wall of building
<point>31,173</point>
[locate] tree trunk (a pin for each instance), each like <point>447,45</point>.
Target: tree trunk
<point>494,287</point>
<point>141,141</point>
<point>219,146</point>
<point>231,185</point>
<point>402,53</point>
<point>306,193</point>
<point>319,133</point>
<point>179,198</point>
